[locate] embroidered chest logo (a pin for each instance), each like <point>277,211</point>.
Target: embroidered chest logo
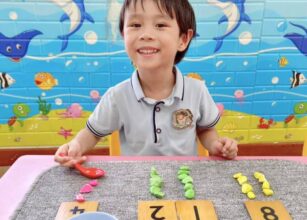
<point>182,118</point>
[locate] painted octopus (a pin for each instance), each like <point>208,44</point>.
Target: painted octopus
<point>73,111</point>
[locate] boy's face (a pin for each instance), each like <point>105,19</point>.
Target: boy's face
<point>152,37</point>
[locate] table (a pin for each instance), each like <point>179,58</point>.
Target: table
<point>21,175</point>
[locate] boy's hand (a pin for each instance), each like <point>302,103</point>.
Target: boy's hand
<point>225,147</point>
<point>69,154</point>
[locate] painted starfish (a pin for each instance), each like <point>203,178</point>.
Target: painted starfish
<point>65,133</point>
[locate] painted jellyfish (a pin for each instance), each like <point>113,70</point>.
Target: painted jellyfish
<point>239,95</point>
<point>95,95</point>
<point>220,107</point>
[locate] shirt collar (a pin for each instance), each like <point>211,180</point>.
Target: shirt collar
<point>178,88</point>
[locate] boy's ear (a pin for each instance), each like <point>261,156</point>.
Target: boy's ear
<point>185,40</point>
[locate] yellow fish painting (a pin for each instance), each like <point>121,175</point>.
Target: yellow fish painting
<point>194,76</point>
<point>45,80</point>
<point>283,61</point>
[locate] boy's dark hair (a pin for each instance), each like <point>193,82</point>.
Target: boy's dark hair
<point>181,9</point>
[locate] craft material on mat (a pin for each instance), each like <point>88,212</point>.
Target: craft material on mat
<point>90,172</point>
<point>127,182</point>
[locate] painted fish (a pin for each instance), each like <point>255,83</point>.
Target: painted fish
<point>297,79</point>
<point>45,80</point>
<point>234,11</point>
<point>6,80</point>
<point>16,47</point>
<point>194,76</point>
<point>75,12</point>
<point>283,61</point>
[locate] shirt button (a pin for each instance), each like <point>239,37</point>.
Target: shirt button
<point>158,109</point>
<point>158,130</point>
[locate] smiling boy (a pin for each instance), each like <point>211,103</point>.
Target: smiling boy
<point>145,108</point>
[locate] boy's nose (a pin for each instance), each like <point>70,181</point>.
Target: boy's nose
<point>146,36</point>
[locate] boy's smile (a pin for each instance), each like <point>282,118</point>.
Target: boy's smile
<point>151,37</point>
<point>147,51</point>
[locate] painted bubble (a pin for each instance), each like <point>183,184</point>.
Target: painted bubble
<point>219,63</point>
<point>58,101</point>
<point>81,78</point>
<point>239,95</point>
<point>275,80</point>
<point>95,95</point>
<point>245,38</point>
<point>90,37</point>
<point>13,15</point>
<point>282,26</point>
<point>68,62</point>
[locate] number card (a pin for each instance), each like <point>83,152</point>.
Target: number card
<point>267,210</point>
<point>157,210</point>
<point>195,210</point>
<point>70,209</point>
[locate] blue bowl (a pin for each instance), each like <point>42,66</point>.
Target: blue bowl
<point>94,216</point>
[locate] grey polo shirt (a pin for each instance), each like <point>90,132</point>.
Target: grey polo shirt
<point>151,127</point>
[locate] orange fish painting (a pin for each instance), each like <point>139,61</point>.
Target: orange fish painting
<point>283,61</point>
<point>194,76</point>
<point>45,80</point>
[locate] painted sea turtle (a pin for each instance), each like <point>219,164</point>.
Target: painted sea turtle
<point>20,110</point>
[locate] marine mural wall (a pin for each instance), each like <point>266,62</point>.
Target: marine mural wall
<point>58,57</point>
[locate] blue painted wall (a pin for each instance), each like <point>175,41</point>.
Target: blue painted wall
<point>248,71</point>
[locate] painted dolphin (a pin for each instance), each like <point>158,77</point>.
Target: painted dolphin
<point>234,11</point>
<point>299,40</point>
<point>75,12</point>
<point>16,47</point>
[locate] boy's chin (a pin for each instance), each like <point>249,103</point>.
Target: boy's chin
<point>148,66</point>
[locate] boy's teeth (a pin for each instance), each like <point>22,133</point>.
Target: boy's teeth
<point>148,51</point>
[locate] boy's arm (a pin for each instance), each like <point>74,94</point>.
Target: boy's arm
<point>86,139</point>
<point>71,153</point>
<point>207,137</point>
<point>220,146</point>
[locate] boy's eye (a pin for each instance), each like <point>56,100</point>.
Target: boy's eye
<point>160,25</point>
<point>135,25</point>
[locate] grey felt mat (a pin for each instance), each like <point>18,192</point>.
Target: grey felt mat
<point>127,182</point>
